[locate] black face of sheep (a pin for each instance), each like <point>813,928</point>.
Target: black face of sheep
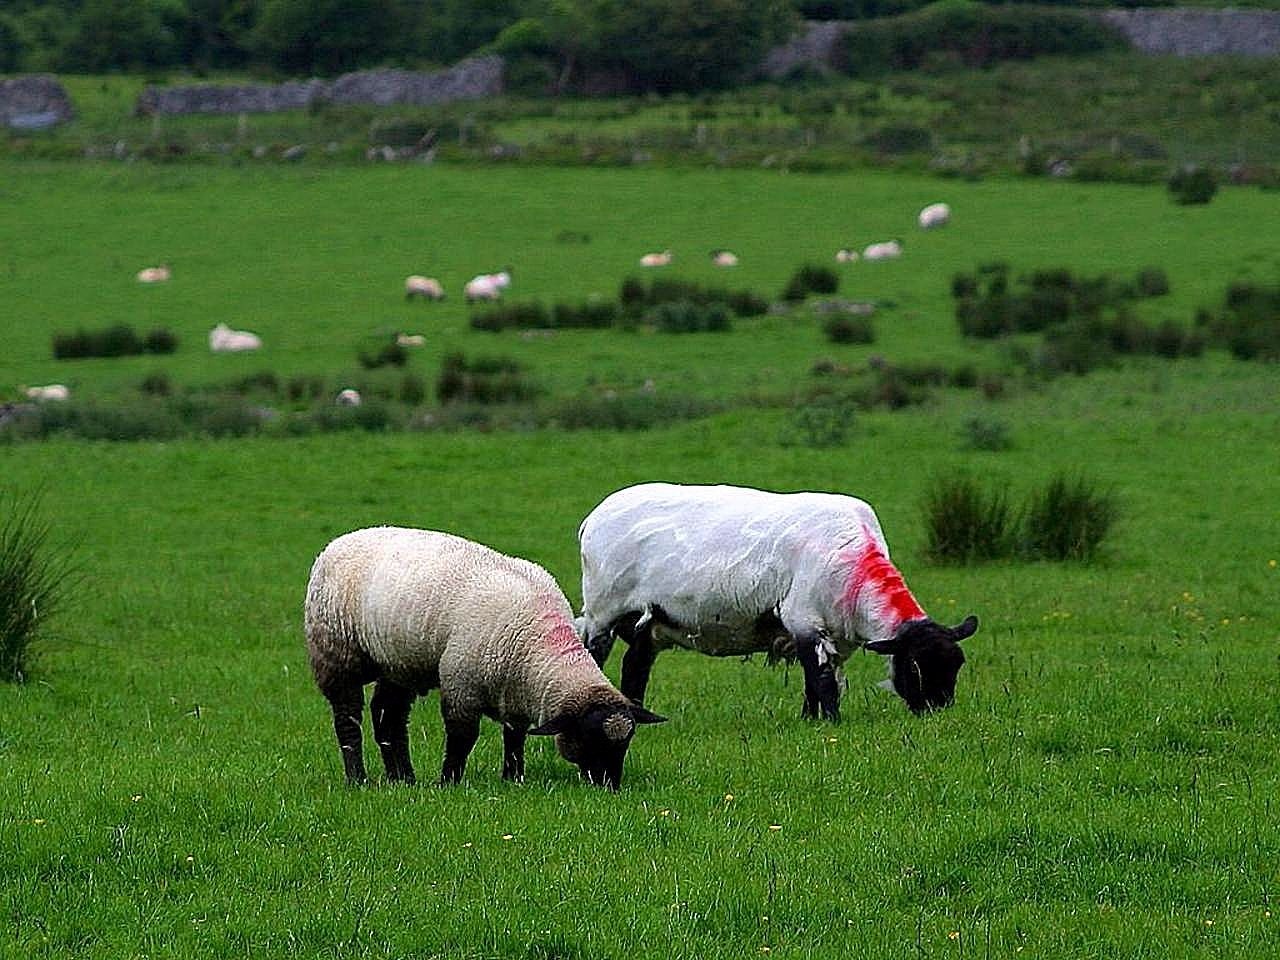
<point>926,659</point>
<point>596,741</point>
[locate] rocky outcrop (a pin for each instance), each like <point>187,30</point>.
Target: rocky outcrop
<point>466,80</point>
<point>1198,33</point>
<point>34,102</point>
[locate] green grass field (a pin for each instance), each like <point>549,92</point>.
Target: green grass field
<point>1106,784</point>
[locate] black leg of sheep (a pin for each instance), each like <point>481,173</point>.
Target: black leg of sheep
<point>636,665</point>
<point>821,689</point>
<point>461,731</point>
<point>513,753</point>
<point>390,708</point>
<point>348,709</point>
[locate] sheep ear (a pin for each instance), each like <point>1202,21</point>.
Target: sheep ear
<point>966,629</point>
<point>883,647</point>
<point>553,726</point>
<point>640,715</point>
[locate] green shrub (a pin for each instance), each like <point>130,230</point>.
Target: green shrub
<point>35,579</point>
<point>589,314</point>
<point>1152,282</point>
<point>899,138</point>
<point>1249,322</point>
<point>810,278</point>
<point>390,354</point>
<point>156,385</point>
<point>988,435</point>
<point>820,423</point>
<point>844,328</point>
<point>630,410</point>
<point>1067,520</point>
<point>685,316</point>
<point>413,390</point>
<point>521,316</point>
<point>965,524</point>
<point>483,380</point>
<point>1193,185</point>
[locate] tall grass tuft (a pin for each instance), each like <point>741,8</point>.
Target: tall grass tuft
<point>965,524</point>
<point>33,582</point>
<point>1067,520</point>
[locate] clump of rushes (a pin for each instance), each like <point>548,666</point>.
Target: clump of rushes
<point>33,582</point>
<point>1068,520</point>
<point>965,524</point>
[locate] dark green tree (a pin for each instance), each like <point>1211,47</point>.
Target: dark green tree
<point>329,36</point>
<point>123,34</point>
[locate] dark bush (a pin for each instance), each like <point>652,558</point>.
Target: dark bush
<point>305,387</point>
<point>156,385</point>
<point>810,278</point>
<point>413,390</point>
<point>1193,185</point>
<point>483,380</point>
<point>632,410</point>
<point>388,355</point>
<point>974,34</point>
<point>264,381</point>
<point>822,422</point>
<point>685,316</point>
<point>988,435</point>
<point>900,138</point>
<point>1249,322</point>
<point>160,340</point>
<point>965,524</point>
<point>1067,520</point>
<point>747,304</point>
<point>590,314</point>
<point>964,285</point>
<point>115,341</point>
<point>632,293</point>
<point>521,316</point>
<point>843,328</point>
<point>1152,282</point>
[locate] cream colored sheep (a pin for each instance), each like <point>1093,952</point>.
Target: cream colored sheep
<point>427,288</point>
<point>413,610</point>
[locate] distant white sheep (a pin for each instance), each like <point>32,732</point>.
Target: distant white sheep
<point>426,288</point>
<point>348,398</point>
<point>53,391</point>
<point>222,339</point>
<point>415,610</point>
<point>934,215</point>
<point>845,255</point>
<point>887,250</point>
<point>724,258</point>
<point>662,259</point>
<point>481,288</point>
<point>158,274</point>
<point>410,340</point>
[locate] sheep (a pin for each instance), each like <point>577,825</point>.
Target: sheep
<point>426,288</point>
<point>411,610</point>
<point>52,391</point>
<point>410,340</point>
<point>934,215</point>
<point>348,397</point>
<point>845,255</point>
<point>482,287</point>
<point>158,274</point>
<point>662,259</point>
<point>730,571</point>
<point>723,258</point>
<point>887,250</point>
<point>222,339</point>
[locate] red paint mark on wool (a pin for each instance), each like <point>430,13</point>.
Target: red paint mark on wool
<point>871,573</point>
<point>560,637</point>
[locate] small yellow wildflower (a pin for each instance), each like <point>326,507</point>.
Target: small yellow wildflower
<point>508,836</point>
<point>728,798</point>
<point>775,826</point>
<point>953,935</point>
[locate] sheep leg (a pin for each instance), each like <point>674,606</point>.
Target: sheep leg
<point>348,708</point>
<point>513,753</point>
<point>599,646</point>
<point>390,708</point>
<point>821,688</point>
<point>636,664</point>
<point>461,731</point>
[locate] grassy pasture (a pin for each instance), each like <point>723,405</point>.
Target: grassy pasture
<point>1105,785</point>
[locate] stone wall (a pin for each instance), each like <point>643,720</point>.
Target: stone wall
<point>1195,33</point>
<point>466,80</point>
<point>34,102</point>
<point>1182,32</point>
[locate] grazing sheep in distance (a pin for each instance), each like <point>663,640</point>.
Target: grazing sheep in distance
<point>481,288</point>
<point>934,215</point>
<point>730,571</point>
<point>662,259</point>
<point>845,255</point>
<point>158,274</point>
<point>347,398</point>
<point>427,288</point>
<point>52,391</point>
<point>222,339</point>
<point>723,258</point>
<point>413,610</point>
<point>410,340</point>
<point>887,250</point>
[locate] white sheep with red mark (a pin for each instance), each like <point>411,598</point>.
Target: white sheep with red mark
<point>348,397</point>
<point>730,571</point>
<point>934,215</point>
<point>425,288</point>
<point>885,250</point>
<point>160,274</point>
<point>724,258</point>
<point>660,259</point>
<point>414,610</point>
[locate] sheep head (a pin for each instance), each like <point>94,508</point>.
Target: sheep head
<point>924,660</point>
<point>596,739</point>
